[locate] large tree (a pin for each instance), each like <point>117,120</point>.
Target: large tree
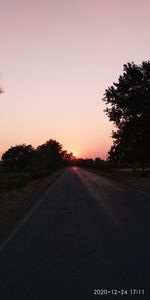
<point>50,154</point>
<point>18,157</point>
<point>128,107</point>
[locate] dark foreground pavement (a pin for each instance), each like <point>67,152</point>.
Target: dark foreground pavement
<point>87,233</point>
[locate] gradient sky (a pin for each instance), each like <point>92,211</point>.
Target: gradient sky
<point>57,57</point>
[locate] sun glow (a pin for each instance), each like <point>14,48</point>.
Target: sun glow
<point>74,154</point>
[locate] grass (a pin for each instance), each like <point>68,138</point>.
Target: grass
<point>126,176</point>
<point>18,194</point>
<point>11,180</point>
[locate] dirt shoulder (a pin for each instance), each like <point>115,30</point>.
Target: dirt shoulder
<point>129,178</point>
<point>15,202</point>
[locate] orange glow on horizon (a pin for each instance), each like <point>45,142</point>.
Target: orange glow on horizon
<point>56,92</point>
<point>74,155</point>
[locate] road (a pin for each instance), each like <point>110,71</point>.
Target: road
<point>87,232</point>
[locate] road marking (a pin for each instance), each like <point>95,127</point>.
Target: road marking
<point>24,219</point>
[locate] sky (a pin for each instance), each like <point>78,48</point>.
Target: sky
<point>57,57</point>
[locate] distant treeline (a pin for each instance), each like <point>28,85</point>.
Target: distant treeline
<point>96,163</point>
<point>38,161</point>
<point>100,164</point>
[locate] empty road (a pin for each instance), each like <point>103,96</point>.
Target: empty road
<point>86,233</point>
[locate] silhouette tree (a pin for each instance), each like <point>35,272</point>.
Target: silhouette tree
<point>67,157</point>
<point>99,163</point>
<point>50,154</point>
<point>18,157</point>
<point>129,109</point>
<point>38,162</point>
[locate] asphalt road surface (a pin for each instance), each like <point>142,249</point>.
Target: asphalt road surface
<point>86,234</point>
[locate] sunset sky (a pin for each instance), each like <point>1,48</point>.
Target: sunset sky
<point>57,57</point>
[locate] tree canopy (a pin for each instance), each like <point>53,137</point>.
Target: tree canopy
<point>41,160</point>
<point>18,157</point>
<point>128,107</point>
<point>50,152</point>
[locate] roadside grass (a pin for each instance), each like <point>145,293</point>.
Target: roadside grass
<point>18,193</point>
<point>127,176</point>
<point>11,180</point>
